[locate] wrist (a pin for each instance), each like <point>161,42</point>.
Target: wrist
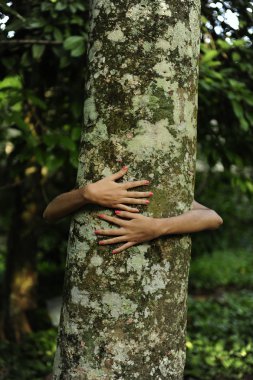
<point>85,194</point>
<point>164,226</point>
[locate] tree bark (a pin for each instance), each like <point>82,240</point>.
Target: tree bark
<point>124,315</point>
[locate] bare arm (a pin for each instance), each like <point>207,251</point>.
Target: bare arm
<point>64,204</point>
<point>199,218</point>
<point>195,220</point>
<point>106,193</point>
<point>138,228</point>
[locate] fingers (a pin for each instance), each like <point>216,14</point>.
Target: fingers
<point>112,219</point>
<point>135,201</point>
<point>110,232</point>
<point>139,194</point>
<point>118,239</point>
<point>130,185</point>
<point>126,208</point>
<point>128,215</point>
<point>123,247</point>
<point>119,174</point>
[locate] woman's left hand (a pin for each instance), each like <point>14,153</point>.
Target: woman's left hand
<point>137,229</point>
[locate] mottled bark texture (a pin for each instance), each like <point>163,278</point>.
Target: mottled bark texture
<point>124,316</point>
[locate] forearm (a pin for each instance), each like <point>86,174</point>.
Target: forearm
<point>65,204</point>
<point>191,221</point>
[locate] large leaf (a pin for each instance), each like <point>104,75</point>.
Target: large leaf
<point>37,51</point>
<point>11,82</point>
<point>73,42</point>
<point>209,56</point>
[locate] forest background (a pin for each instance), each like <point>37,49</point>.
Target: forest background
<point>42,73</point>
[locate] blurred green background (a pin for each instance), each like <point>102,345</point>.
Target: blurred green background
<point>42,73</point>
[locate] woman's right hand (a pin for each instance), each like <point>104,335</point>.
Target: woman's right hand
<point>108,193</point>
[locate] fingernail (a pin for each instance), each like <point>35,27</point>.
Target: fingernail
<point>117,212</point>
<point>101,215</point>
<point>147,201</point>
<point>114,252</point>
<point>101,242</point>
<point>125,167</point>
<point>151,193</point>
<point>96,232</point>
<point>146,182</point>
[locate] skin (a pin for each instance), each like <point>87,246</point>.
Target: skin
<point>106,193</point>
<point>133,228</point>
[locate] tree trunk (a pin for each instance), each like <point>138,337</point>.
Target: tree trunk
<point>124,316</point>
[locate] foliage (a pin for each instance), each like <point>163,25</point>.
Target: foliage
<point>219,343</point>
<point>40,118</point>
<point>32,359</point>
<point>214,189</point>
<point>225,90</point>
<point>222,269</point>
<point>41,101</point>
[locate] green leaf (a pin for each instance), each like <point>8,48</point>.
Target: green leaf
<point>50,140</point>
<point>11,82</point>
<point>53,163</point>
<point>209,55</point>
<point>36,23</point>
<point>40,156</point>
<point>73,42</point>
<point>20,123</point>
<point>66,142</point>
<point>249,100</point>
<point>26,59</point>
<point>12,133</point>
<point>74,161</point>
<point>37,51</point>
<point>236,57</point>
<point>73,8</point>
<point>17,107</point>
<point>78,51</point>
<point>80,6</point>
<point>224,45</point>
<point>60,6</point>
<point>37,101</point>
<point>238,110</point>
<point>75,134</point>
<point>58,35</point>
<point>64,62</point>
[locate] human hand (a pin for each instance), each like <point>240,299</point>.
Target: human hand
<point>137,229</point>
<point>109,193</point>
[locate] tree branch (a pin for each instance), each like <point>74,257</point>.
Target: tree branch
<point>11,185</point>
<point>8,9</point>
<point>31,42</point>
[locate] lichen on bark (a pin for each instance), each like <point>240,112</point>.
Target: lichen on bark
<point>124,316</point>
